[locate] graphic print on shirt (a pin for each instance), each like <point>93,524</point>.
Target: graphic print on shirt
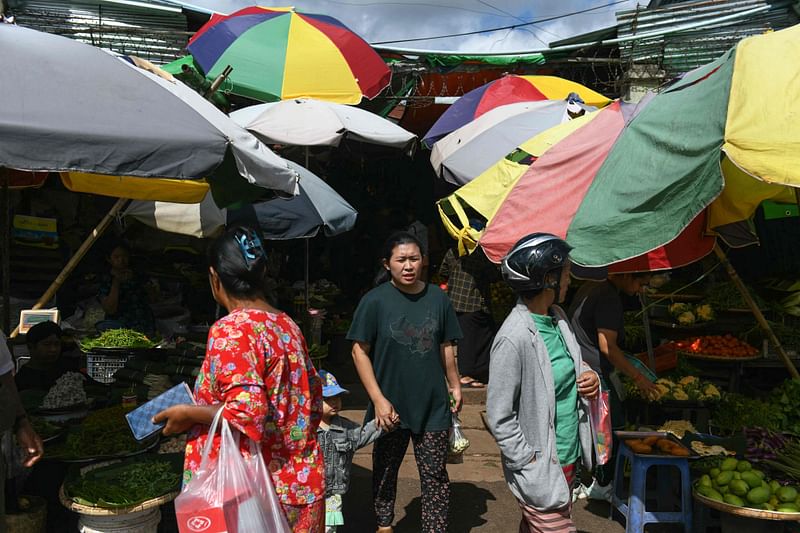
<point>418,338</point>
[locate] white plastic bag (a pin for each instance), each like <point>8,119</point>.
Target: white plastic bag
<point>458,442</point>
<point>229,495</point>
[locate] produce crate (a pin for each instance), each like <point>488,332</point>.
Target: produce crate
<point>102,366</point>
<point>666,357</point>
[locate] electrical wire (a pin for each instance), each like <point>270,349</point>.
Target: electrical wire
<point>425,4</point>
<point>510,27</point>
<point>512,15</point>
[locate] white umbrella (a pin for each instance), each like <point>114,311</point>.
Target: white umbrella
<point>307,122</point>
<point>465,153</point>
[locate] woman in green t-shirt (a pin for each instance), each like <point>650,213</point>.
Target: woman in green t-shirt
<point>536,404</point>
<point>403,332</point>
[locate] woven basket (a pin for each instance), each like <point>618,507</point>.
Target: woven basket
<point>102,511</point>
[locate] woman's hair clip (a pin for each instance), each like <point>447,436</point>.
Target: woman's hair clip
<point>249,245</point>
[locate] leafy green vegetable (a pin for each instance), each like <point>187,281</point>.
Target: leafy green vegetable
<point>44,428</point>
<point>124,485</point>
<point>728,296</point>
<point>104,433</point>
<point>118,338</point>
<point>735,411</point>
<point>784,401</point>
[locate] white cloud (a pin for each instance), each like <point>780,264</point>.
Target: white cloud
<point>378,21</point>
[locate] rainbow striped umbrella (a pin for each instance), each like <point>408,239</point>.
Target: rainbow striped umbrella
<point>508,90</point>
<point>278,54</point>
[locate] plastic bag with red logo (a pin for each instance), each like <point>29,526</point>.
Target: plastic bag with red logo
<point>600,418</point>
<point>230,494</point>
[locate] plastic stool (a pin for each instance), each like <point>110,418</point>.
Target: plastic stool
<point>634,509</point>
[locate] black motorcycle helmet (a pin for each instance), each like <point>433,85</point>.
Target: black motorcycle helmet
<point>527,265</point>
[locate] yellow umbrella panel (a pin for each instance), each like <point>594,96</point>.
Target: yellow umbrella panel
<point>762,130</point>
<point>135,188</point>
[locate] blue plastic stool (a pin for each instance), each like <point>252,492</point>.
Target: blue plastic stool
<point>636,515</point>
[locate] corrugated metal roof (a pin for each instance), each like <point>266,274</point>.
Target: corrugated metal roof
<point>149,29</point>
<point>680,52</point>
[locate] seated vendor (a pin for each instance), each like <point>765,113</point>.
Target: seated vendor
<point>123,296</point>
<point>47,363</point>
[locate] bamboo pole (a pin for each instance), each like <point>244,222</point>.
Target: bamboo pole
<point>75,259</point>
<point>307,284</point>
<point>5,268</point>
<point>756,311</point>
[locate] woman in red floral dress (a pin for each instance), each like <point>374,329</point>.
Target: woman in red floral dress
<point>258,370</point>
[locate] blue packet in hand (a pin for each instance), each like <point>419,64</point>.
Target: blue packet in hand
<point>140,419</point>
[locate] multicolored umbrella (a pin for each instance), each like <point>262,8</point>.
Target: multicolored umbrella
<point>465,153</point>
<point>508,90</point>
<point>715,145</point>
<point>465,212</point>
<point>278,54</point>
<point>725,137</point>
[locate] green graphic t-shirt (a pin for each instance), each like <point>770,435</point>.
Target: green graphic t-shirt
<point>405,332</point>
<point>566,424</point>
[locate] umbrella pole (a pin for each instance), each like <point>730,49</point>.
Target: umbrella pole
<point>75,259</point>
<point>648,335</point>
<point>756,311</point>
<point>6,250</point>
<point>307,288</point>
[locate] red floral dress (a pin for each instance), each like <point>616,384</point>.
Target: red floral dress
<point>258,365</point>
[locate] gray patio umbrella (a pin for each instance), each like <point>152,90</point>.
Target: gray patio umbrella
<point>71,107</point>
<point>317,207</point>
<point>68,106</point>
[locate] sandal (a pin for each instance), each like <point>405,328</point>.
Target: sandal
<point>472,383</point>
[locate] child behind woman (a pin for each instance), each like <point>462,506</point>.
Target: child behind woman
<point>339,439</point>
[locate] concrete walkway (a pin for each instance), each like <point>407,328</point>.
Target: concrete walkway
<point>480,500</point>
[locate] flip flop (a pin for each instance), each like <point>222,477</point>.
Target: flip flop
<point>474,384</point>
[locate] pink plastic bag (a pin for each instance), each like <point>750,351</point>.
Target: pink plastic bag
<point>232,494</point>
<point>600,418</point>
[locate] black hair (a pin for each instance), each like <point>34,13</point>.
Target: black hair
<point>113,244</point>
<point>395,239</point>
<point>239,259</point>
<point>41,331</point>
<point>533,293</point>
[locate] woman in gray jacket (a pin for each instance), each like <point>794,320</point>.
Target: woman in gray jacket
<point>537,402</point>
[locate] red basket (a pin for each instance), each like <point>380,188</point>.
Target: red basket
<point>666,357</point>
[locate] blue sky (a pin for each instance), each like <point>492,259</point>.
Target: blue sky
<point>377,20</point>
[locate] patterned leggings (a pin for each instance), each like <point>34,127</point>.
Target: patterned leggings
<point>430,451</point>
<point>306,518</point>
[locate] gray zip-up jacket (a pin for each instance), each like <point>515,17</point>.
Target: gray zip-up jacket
<point>520,409</point>
<point>339,444</point>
